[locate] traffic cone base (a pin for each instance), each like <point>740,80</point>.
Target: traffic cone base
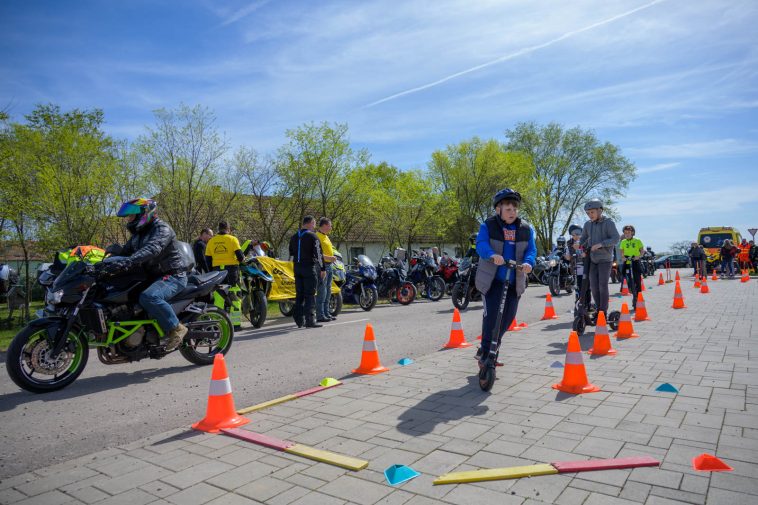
<point>574,374</point>
<point>370,364</point>
<point>549,309</point>
<point>714,277</point>
<point>457,338</point>
<point>704,286</point>
<point>697,283</point>
<point>514,326</point>
<point>661,282</point>
<point>624,288</point>
<point>709,463</point>
<point>602,344</point>
<point>220,413</point>
<point>625,328</point>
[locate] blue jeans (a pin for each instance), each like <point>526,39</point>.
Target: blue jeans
<point>154,300</point>
<point>324,294</point>
<point>727,267</point>
<point>490,342</point>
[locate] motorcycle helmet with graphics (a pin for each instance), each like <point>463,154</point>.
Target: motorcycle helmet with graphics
<point>143,208</point>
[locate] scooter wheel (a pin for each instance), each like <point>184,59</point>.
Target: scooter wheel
<point>486,377</point>
<point>613,319</point>
<point>579,325</point>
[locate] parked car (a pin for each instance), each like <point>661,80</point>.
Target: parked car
<point>674,261</point>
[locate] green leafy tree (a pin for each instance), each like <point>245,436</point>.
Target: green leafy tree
<point>468,174</point>
<point>184,154</point>
<point>680,247</point>
<point>570,166</point>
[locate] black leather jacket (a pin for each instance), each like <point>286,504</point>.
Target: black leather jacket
<point>154,249</point>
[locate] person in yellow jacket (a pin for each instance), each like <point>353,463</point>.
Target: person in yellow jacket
<point>324,293</point>
<point>631,269</point>
<point>223,252</point>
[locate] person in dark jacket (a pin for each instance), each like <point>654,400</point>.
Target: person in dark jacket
<point>753,256</point>
<point>198,249</point>
<point>305,251</point>
<point>501,238</point>
<point>599,238</point>
<point>152,248</point>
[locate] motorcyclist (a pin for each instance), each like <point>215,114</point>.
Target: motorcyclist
<point>471,253</point>
<point>632,249</point>
<point>502,237</point>
<point>575,255</point>
<point>152,247</point>
<point>599,238</point>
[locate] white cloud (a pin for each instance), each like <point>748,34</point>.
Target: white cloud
<point>657,168</point>
<point>706,202</point>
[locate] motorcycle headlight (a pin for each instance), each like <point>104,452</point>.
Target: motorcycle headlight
<point>54,297</point>
<point>552,263</point>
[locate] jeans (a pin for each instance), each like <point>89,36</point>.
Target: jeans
<point>491,306</point>
<point>324,294</point>
<point>155,300</point>
<point>727,266</point>
<point>306,282</point>
<point>599,275</point>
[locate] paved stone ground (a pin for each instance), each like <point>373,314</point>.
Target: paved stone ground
<point>432,416</point>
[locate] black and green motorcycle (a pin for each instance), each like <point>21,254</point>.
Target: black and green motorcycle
<point>86,310</point>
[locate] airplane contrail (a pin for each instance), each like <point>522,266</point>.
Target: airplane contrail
<point>511,56</point>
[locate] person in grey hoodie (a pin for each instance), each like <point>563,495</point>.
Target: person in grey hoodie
<point>599,236</point>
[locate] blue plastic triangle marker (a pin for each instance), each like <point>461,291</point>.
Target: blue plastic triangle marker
<point>397,474</point>
<point>405,361</point>
<point>556,364</point>
<point>667,388</point>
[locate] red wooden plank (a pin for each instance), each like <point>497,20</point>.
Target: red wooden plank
<point>257,438</point>
<point>314,390</point>
<point>604,464</point>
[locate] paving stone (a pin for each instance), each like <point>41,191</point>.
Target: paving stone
<point>599,447</point>
<point>54,481</point>
<point>674,496</point>
<point>656,477</point>
<point>194,474</point>
<point>289,496</point>
<point>719,496</point>
<point>196,495</point>
<point>10,495</point>
<point>439,462</point>
<point>263,489</point>
<point>468,495</point>
<point>602,499</point>
<point>159,488</point>
<point>545,488</point>
<point>87,494</point>
<point>231,499</point>
<point>635,491</point>
<point>355,490</point>
<point>572,496</point>
<point>118,485</point>
<point>131,497</point>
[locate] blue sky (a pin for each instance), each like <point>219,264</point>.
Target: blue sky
<point>674,83</point>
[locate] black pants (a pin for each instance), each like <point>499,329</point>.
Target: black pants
<point>306,282</point>
<point>490,338</point>
<point>232,274</point>
<point>633,273</point>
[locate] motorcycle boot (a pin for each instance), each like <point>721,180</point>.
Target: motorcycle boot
<point>175,337</point>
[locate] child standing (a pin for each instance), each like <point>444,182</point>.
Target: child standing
<point>599,237</point>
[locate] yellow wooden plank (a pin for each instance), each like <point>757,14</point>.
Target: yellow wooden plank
<point>327,457</point>
<point>513,472</point>
<point>267,404</point>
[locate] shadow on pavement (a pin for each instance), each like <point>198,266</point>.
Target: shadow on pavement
<point>585,341</point>
<point>90,385</point>
<point>444,406</point>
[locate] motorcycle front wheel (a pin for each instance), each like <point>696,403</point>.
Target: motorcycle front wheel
<point>555,288</point>
<point>367,299</point>
<point>335,304</point>
<point>210,333</point>
<point>406,293</point>
<point>30,366</point>
<point>255,308</point>
<point>436,289</point>
<point>287,307</point>
<point>460,296</point>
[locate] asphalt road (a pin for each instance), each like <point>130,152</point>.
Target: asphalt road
<point>117,404</point>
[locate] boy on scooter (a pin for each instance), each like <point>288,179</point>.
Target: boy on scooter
<point>502,237</point>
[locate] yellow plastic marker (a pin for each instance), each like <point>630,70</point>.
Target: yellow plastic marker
<point>513,472</point>
<point>267,404</point>
<point>328,457</point>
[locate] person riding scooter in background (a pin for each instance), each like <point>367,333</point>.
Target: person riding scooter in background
<point>599,237</point>
<point>631,269</point>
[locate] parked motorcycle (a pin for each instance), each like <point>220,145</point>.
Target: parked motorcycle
<point>90,309</point>
<point>560,275</point>
<point>422,274</point>
<point>448,271</point>
<point>392,282</point>
<point>359,287</point>
<point>464,290</point>
<point>537,274</point>
<point>256,286</point>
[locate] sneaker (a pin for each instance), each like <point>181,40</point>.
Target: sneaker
<point>175,337</point>
<point>479,353</point>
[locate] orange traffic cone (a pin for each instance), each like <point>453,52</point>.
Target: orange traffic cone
<point>624,288</point>
<point>640,313</point>
<point>714,277</point>
<point>704,285</point>
<point>221,412</point>
<point>549,310</point>
<point>697,282</point>
<point>457,338</point>
<point>574,375</point>
<point>626,329</point>
<point>709,463</point>
<point>642,285</point>
<point>745,276</point>
<point>514,326</point>
<point>677,276</point>
<point>602,344</point>
<point>678,298</point>
<point>661,282</point>
<point>370,364</point>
